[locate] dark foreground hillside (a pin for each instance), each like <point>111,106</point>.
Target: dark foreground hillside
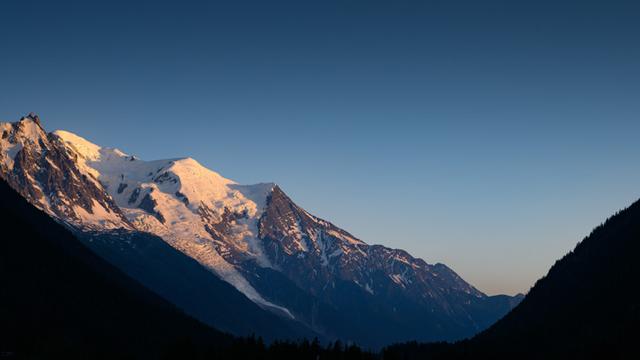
<point>587,306</point>
<point>58,298</point>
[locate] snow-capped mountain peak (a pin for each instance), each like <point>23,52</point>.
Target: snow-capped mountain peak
<point>16,135</point>
<point>38,166</point>
<point>129,180</point>
<point>194,209</point>
<point>248,235</point>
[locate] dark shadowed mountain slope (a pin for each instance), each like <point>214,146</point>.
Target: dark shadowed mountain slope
<point>58,298</point>
<point>587,306</point>
<point>190,286</point>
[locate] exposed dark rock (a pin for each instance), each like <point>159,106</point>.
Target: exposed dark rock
<point>219,230</point>
<point>164,177</point>
<point>149,205</point>
<point>121,187</point>
<point>220,227</point>
<point>182,197</point>
<point>134,196</point>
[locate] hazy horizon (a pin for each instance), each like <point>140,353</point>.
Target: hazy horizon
<point>489,140</point>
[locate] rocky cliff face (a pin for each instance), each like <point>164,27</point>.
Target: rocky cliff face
<point>39,166</point>
<point>314,252</point>
<point>252,236</point>
<point>350,276</point>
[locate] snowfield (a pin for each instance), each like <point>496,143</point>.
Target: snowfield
<point>176,191</point>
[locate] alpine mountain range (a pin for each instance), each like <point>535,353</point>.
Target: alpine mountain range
<point>244,259</point>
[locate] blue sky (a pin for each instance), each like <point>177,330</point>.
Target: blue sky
<point>488,136</point>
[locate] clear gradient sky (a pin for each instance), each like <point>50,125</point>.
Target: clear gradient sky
<point>491,136</point>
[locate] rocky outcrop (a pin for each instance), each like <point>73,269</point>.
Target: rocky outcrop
<point>149,205</point>
<point>45,173</point>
